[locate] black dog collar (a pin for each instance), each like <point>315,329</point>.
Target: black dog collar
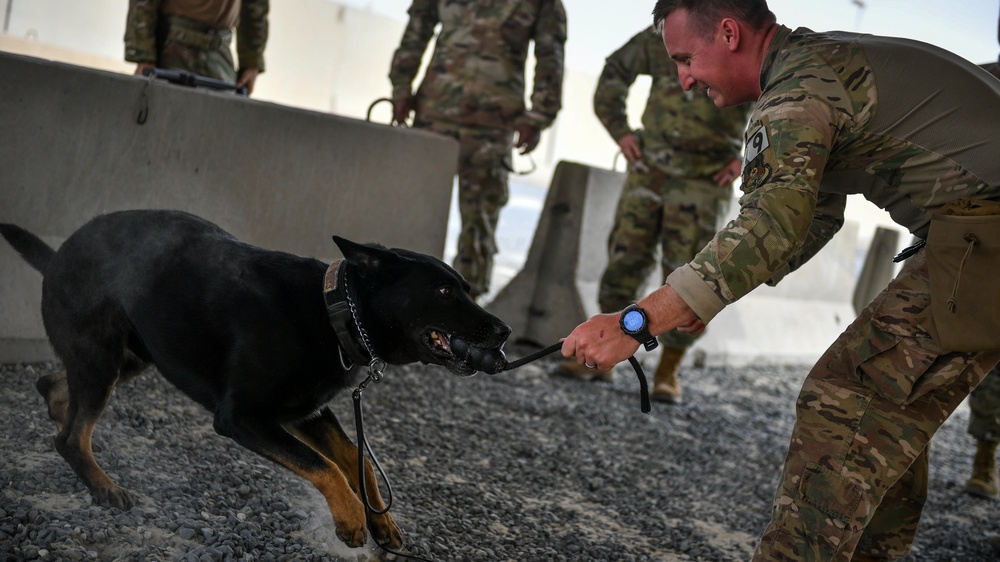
<point>339,311</point>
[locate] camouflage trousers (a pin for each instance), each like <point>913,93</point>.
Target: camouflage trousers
<point>188,46</point>
<point>855,476</point>
<point>482,192</point>
<point>680,214</point>
<point>984,408</point>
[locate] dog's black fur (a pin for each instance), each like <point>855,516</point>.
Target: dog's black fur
<point>242,330</point>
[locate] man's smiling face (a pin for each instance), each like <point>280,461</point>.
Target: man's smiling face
<point>701,59</point>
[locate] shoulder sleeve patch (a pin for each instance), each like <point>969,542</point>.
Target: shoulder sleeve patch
<point>759,160</point>
<point>757,142</point>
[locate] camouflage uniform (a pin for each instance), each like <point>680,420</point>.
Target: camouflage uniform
<point>473,91</point>
<point>837,115</point>
<point>194,36</point>
<point>669,196</point>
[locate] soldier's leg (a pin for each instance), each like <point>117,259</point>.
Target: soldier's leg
<point>631,248</point>
<point>890,532</point>
<point>633,238</point>
<point>218,64</point>
<point>984,425</point>
<point>866,412</point>
<point>984,408</point>
<point>690,217</point>
<point>482,192</point>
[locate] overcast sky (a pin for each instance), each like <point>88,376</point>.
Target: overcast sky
<point>598,27</point>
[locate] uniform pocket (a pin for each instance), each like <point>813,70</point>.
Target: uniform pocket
<point>827,505</point>
<point>898,358</point>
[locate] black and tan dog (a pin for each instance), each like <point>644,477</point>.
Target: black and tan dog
<point>263,339</point>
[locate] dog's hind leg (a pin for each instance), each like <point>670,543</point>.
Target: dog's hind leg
<point>55,391</point>
<point>272,441</point>
<point>88,396</point>
<point>324,434</point>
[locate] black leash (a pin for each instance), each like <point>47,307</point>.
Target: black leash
<point>643,387</point>
<point>375,369</point>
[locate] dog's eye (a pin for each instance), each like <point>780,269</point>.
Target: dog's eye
<point>444,291</point>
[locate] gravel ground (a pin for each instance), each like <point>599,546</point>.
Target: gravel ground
<point>520,466</point>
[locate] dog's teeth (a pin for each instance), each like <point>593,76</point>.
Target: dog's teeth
<point>439,340</point>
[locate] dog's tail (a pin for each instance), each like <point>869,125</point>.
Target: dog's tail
<point>32,248</point>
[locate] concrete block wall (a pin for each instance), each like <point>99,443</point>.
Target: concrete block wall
<point>282,178</point>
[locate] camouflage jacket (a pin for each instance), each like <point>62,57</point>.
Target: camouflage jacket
<point>843,113</point>
<point>250,22</point>
<point>683,132</point>
<point>476,75</point>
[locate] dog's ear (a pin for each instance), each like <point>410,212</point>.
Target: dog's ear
<point>366,257</point>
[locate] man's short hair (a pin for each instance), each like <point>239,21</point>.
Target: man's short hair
<point>706,13</point>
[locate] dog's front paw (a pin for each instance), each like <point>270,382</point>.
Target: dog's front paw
<point>386,532</point>
<point>352,534</point>
<point>114,497</point>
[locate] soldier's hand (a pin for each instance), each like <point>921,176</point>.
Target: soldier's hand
<point>247,78</point>
<point>729,172</point>
<point>630,148</point>
<point>528,136</point>
<point>401,108</point>
<point>141,66</point>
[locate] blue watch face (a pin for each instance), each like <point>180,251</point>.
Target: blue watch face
<point>633,321</point>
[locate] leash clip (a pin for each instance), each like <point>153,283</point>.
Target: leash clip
<point>375,369</point>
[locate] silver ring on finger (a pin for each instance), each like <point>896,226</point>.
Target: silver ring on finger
<point>589,366</point>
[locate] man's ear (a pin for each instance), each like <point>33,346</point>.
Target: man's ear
<point>730,30</point>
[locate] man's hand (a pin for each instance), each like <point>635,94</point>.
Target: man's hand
<point>527,137</point>
<point>728,173</point>
<point>629,144</point>
<point>600,343</point>
<point>401,108</point>
<point>247,78</point>
<point>143,65</point>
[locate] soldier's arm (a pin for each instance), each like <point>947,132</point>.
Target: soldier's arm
<point>620,71</point>
<point>788,145</point>
<point>416,36</point>
<point>251,34</point>
<point>827,221</point>
<point>140,31</point>
<point>550,42</point>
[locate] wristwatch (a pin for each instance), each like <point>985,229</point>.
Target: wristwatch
<point>635,323</point>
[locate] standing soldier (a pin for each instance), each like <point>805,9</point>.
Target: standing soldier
<point>681,168</point>
<point>473,91</point>
<point>194,36</point>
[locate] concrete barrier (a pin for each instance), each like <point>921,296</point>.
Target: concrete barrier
<point>557,287</point>
<point>792,323</point>
<point>878,269</point>
<point>74,146</point>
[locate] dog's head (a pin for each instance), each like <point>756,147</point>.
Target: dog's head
<point>412,305</point>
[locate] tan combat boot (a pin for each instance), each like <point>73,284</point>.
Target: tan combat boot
<point>574,370</point>
<point>985,481</point>
<point>665,385</point>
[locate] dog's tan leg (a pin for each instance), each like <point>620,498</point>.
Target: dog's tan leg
<point>345,507</point>
<point>325,435</point>
<point>74,444</point>
<point>273,441</point>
